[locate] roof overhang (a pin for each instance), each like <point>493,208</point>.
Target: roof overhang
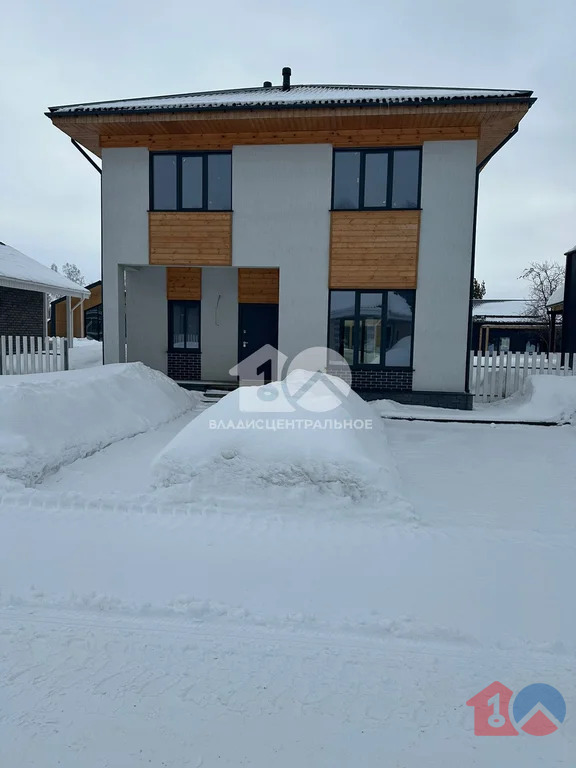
<point>27,285</point>
<point>489,121</point>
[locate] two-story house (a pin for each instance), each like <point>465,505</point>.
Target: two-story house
<point>296,216</point>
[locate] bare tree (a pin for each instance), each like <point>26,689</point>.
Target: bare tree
<point>73,273</point>
<point>544,278</point>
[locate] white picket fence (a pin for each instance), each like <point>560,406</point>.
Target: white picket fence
<point>32,354</point>
<point>494,376</point>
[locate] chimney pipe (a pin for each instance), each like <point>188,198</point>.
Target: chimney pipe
<point>286,72</point>
<point>266,84</point>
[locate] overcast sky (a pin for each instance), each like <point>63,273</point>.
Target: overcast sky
<point>69,51</point>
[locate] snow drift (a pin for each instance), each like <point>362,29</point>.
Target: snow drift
<point>542,398</point>
<point>51,419</point>
<point>85,353</point>
<point>261,437</point>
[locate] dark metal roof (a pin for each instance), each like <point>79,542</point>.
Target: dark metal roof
<point>298,97</point>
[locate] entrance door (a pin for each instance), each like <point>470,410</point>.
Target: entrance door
<point>258,328</point>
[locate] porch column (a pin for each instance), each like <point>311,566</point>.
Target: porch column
<point>146,317</point>
<point>69,322</point>
<point>219,323</point>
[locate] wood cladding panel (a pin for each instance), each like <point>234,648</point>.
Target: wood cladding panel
<point>258,286</point>
<point>374,249</point>
<point>190,238</point>
<point>161,130</point>
<point>342,138</point>
<point>492,133</point>
<point>59,310</point>
<point>184,283</point>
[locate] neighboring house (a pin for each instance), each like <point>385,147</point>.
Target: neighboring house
<point>562,304</point>
<point>89,325</point>
<point>505,325</point>
<point>292,216</point>
<point>24,288</point>
<point>555,308</point>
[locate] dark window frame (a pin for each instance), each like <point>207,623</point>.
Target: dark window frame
<point>188,303</point>
<point>179,156</point>
<point>381,366</point>
<point>363,151</point>
<point>95,311</point>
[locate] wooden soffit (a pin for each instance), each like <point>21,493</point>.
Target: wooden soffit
<point>490,123</point>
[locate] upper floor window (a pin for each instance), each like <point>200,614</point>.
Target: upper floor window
<point>191,181</point>
<point>371,179</point>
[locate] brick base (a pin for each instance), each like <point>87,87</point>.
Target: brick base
<point>184,366</point>
<point>457,400</point>
<point>21,312</point>
<point>396,381</point>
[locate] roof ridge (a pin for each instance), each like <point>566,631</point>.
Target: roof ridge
<point>278,89</point>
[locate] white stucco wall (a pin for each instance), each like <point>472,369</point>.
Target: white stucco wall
<point>281,202</point>
<point>219,323</point>
<point>147,317</point>
<point>444,266</point>
<point>125,197</point>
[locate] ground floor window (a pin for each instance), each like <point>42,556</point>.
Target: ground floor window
<point>184,326</point>
<point>372,329</point>
<point>93,322</point>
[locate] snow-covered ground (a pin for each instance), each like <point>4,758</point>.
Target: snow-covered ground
<point>543,399</point>
<point>86,353</point>
<point>212,623</point>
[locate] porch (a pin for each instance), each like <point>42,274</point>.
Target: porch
<point>197,323</point>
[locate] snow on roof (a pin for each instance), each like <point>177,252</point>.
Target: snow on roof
<point>557,297</point>
<point>515,310</point>
<point>297,96</point>
<point>20,271</point>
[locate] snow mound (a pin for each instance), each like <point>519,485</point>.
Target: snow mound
<point>85,353</point>
<point>303,432</point>
<point>542,398</point>
<point>51,419</point>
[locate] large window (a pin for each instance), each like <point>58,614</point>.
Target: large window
<point>93,322</point>
<point>191,181</point>
<point>372,329</point>
<point>372,179</point>
<point>184,326</point>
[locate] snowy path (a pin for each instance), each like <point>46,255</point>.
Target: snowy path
<point>122,468</point>
<point>333,573</point>
<point>512,477</point>
<point>236,630</point>
<point>454,474</point>
<point>102,692</point>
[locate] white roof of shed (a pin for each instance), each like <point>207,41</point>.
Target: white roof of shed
<point>557,297</point>
<point>298,95</point>
<point>20,271</point>
<point>501,308</point>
